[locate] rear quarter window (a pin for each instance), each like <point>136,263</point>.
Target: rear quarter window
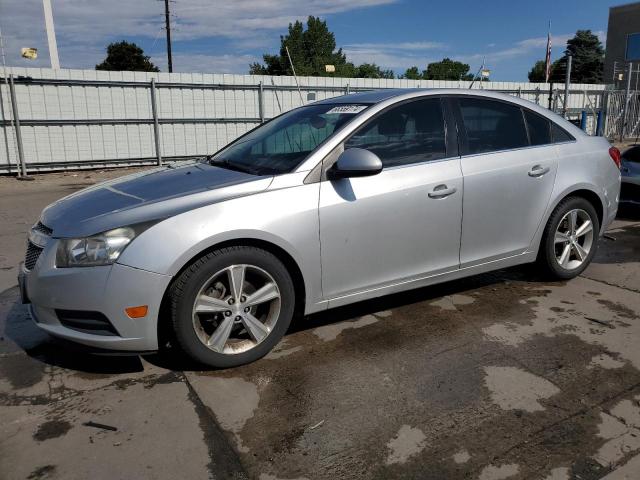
<point>559,134</point>
<point>539,128</point>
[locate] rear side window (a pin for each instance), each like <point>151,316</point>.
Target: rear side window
<point>559,134</point>
<point>492,125</point>
<point>409,133</point>
<point>539,128</point>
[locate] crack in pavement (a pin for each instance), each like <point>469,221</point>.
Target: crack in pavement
<point>224,460</point>
<point>629,289</point>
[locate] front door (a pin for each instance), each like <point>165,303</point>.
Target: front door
<point>403,223</point>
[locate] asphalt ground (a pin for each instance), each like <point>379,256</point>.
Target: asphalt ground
<point>498,376</point>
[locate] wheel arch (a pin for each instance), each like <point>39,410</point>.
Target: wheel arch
<point>584,191</point>
<point>588,194</point>
<point>299,283</point>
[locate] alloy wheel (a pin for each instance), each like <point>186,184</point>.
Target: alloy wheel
<point>236,309</point>
<point>573,239</point>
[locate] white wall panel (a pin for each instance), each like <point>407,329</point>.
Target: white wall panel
<point>56,144</point>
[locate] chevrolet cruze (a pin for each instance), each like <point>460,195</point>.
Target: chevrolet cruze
<point>332,203</point>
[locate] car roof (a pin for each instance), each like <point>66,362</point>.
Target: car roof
<point>391,94</point>
<point>377,96</point>
<point>372,96</point>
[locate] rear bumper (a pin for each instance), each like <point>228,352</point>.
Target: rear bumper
<point>107,290</point>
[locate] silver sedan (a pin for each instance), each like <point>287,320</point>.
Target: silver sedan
<point>332,203</point>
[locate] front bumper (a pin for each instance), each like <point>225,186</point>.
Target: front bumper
<point>107,290</point>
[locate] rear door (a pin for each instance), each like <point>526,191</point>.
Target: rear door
<point>404,222</point>
<point>509,168</point>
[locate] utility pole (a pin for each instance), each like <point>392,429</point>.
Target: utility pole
<point>167,21</point>
<point>51,35</point>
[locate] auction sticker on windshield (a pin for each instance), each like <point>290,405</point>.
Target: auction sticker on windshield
<point>347,109</point>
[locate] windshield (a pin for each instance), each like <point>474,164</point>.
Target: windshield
<point>281,144</point>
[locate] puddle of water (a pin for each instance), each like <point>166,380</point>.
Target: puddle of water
<point>591,321</point>
<point>408,442</point>
<point>515,389</point>
<point>331,332</point>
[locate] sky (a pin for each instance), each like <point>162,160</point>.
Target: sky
<point>225,36</point>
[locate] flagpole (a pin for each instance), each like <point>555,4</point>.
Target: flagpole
<point>547,66</point>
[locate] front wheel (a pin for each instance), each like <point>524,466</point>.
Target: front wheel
<point>570,238</point>
<point>232,306</point>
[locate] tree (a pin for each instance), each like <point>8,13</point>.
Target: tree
<point>538,72</point>
<point>447,69</point>
<point>586,65</point>
<point>412,73</point>
<point>310,50</point>
<point>126,56</point>
<point>588,57</point>
<point>371,70</point>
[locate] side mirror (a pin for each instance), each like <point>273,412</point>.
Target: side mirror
<point>355,162</point>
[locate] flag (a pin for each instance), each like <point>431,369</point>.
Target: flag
<point>547,67</point>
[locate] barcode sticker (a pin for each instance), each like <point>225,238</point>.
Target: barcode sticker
<point>347,109</point>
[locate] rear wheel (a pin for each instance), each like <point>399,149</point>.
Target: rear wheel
<point>570,239</point>
<point>232,306</point>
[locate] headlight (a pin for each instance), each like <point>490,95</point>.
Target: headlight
<point>101,249</point>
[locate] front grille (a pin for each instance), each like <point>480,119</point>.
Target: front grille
<point>95,323</point>
<point>40,227</point>
<point>33,250</point>
<point>30,259</point>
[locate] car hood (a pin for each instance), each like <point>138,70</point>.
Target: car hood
<point>147,196</point>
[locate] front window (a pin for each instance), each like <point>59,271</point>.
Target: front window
<point>409,133</point>
<point>282,144</point>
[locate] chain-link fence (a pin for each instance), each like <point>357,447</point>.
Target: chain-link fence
<point>623,114</point>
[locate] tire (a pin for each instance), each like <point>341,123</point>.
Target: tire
<point>552,248</point>
<point>210,279</point>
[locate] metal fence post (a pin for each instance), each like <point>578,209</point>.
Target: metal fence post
<point>156,129</point>
<point>16,124</point>
<point>567,83</point>
<point>625,109</point>
<point>261,101</point>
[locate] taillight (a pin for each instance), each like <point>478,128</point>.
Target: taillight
<point>615,156</point>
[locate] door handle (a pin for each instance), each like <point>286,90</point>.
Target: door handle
<point>442,191</point>
<point>538,171</point>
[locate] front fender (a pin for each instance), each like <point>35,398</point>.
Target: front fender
<point>286,218</point>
